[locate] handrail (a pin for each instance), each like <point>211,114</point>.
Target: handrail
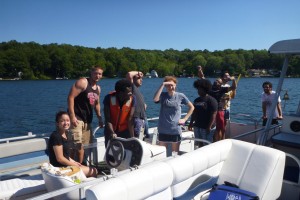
<point>263,137</point>
<point>247,133</point>
<point>255,120</point>
<point>7,140</point>
<point>148,119</point>
<point>298,163</point>
<point>255,131</point>
<point>68,189</point>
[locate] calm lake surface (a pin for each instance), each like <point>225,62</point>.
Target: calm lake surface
<point>30,106</point>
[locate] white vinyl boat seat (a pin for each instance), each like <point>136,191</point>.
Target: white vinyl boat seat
<point>22,157</point>
<point>286,139</point>
<point>20,172</point>
<point>22,187</point>
<point>55,180</point>
<point>190,167</point>
<point>252,167</point>
<point>151,181</point>
<point>290,132</point>
<point>255,168</point>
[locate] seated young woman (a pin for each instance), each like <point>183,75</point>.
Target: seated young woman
<point>59,146</point>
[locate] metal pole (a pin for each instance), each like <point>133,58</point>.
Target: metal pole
<point>262,139</point>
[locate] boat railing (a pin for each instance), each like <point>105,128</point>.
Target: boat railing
<point>79,187</point>
<point>265,135</point>
<point>297,161</point>
<point>8,140</point>
<point>273,129</point>
<point>237,117</point>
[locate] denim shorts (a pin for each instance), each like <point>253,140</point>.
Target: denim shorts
<point>200,133</point>
<point>139,126</point>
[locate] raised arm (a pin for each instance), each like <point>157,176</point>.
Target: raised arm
<point>131,74</point>
<point>200,72</point>
<point>157,94</point>
<point>233,87</point>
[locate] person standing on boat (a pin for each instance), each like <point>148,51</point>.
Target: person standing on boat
<point>266,98</point>
<point>84,96</point>
<point>139,116</point>
<point>231,94</point>
<point>170,121</point>
<point>221,95</point>
<point>204,115</point>
<point>59,145</point>
<point>119,107</point>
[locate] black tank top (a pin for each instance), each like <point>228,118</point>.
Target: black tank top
<point>85,102</point>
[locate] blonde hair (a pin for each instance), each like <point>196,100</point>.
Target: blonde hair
<point>170,78</point>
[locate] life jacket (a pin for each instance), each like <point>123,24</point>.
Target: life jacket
<point>119,116</point>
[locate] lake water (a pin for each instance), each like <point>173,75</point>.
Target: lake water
<point>31,105</point>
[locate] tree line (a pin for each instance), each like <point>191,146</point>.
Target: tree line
<point>31,61</point>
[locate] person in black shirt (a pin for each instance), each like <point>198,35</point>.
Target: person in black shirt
<point>204,114</point>
<point>84,97</point>
<point>60,143</point>
<point>219,93</point>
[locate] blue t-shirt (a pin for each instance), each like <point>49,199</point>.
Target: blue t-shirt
<point>170,112</point>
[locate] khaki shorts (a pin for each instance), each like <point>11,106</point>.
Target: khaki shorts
<point>82,133</point>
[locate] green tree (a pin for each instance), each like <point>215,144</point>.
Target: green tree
<point>213,65</point>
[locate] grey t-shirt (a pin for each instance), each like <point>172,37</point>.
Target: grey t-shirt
<point>170,112</point>
<point>139,111</point>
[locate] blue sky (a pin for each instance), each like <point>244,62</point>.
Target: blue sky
<point>153,24</point>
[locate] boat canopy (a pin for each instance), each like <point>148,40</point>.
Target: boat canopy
<point>286,47</point>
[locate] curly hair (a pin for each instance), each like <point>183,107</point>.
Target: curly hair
<point>204,84</point>
<point>267,83</point>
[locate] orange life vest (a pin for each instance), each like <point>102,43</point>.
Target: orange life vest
<point>118,116</point>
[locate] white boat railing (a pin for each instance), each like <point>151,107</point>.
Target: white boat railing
<point>272,128</point>
<point>79,187</point>
<point>7,140</point>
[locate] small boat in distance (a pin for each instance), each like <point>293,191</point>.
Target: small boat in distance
<point>148,75</point>
<point>154,74</point>
<point>61,78</point>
